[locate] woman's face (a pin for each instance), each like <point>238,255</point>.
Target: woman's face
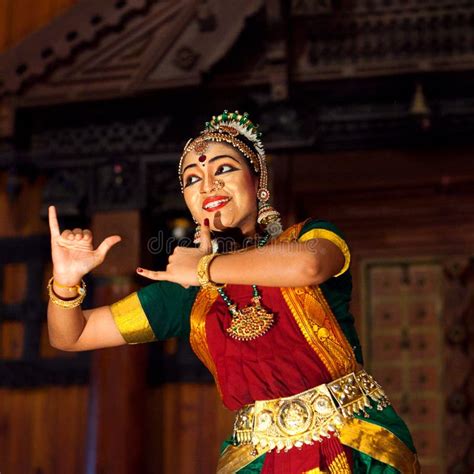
<point>219,185</point>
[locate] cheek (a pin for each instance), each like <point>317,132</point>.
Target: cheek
<point>192,203</point>
<point>246,200</point>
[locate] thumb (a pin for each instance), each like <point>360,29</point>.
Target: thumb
<point>107,244</point>
<point>205,236</point>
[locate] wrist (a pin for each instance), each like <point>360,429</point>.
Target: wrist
<point>66,286</point>
<point>66,280</point>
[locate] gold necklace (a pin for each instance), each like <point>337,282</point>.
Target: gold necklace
<point>251,321</point>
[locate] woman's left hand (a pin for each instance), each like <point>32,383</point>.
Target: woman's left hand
<point>182,264</point>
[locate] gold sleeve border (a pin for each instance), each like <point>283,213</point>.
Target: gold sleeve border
<point>131,320</point>
<point>332,237</point>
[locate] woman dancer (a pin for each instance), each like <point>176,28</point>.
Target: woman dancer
<point>271,320</point>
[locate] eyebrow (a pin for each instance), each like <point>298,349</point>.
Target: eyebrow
<point>214,158</point>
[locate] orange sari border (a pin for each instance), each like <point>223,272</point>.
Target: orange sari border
<point>380,444</point>
<point>318,323</point>
<point>197,338</point>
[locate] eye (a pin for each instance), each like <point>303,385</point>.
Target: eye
<point>190,180</point>
<point>225,169</point>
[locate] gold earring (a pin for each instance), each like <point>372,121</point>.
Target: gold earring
<point>197,235</point>
<point>269,218</point>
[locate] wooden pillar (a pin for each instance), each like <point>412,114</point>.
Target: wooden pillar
<point>118,385</point>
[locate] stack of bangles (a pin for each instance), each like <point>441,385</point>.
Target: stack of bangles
<point>67,303</point>
<point>203,271</point>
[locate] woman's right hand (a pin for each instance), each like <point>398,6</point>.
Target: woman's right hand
<point>73,251</point>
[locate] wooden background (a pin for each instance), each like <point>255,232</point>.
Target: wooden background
<point>392,205</point>
<point>19,18</point>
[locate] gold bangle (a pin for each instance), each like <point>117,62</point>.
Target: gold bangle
<point>203,271</point>
<point>67,304</point>
<point>78,287</point>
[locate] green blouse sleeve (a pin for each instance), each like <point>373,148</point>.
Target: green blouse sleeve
<point>156,312</point>
<point>319,229</point>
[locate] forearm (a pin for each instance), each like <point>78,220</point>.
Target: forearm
<point>280,265</point>
<point>65,326</point>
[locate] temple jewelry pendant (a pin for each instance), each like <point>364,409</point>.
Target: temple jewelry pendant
<point>249,322</point>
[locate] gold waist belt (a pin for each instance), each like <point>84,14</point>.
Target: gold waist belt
<point>308,416</point>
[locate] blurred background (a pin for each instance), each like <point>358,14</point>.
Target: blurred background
<point>367,111</point>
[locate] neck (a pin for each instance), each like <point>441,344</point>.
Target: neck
<point>249,232</point>
<point>249,227</point>
<point>236,238</point>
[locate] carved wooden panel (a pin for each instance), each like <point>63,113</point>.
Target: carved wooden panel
<point>118,48</point>
<point>82,23</point>
<point>404,352</point>
<point>377,37</point>
<point>459,363</point>
<point>416,325</point>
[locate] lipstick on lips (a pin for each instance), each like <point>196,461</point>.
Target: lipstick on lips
<point>213,203</point>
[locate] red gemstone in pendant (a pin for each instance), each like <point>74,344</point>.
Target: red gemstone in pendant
<point>202,158</point>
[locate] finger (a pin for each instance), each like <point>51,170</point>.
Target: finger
<point>77,233</point>
<point>87,234</point>
<point>206,244</point>
<point>53,222</point>
<point>107,244</point>
<point>183,250</point>
<point>157,276</point>
<point>67,235</point>
<point>81,245</point>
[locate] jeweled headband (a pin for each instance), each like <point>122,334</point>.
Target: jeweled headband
<point>238,131</point>
<point>234,129</point>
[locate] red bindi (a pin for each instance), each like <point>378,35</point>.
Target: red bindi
<point>202,158</point>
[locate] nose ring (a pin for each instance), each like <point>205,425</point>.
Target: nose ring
<point>217,185</point>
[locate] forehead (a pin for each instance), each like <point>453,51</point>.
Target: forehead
<point>213,149</point>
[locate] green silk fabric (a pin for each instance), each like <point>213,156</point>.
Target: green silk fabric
<point>168,307</point>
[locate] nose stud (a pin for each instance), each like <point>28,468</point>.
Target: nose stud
<point>217,185</point>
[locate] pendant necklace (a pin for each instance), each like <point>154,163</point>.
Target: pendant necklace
<point>253,320</point>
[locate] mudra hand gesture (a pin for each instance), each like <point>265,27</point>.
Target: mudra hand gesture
<point>73,251</point>
<point>183,262</point>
